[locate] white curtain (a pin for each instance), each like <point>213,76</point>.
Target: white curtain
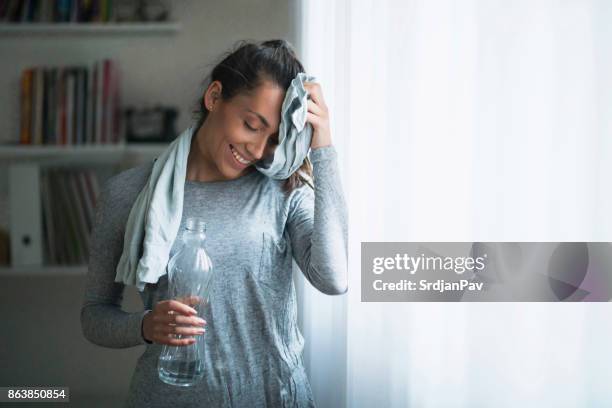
<point>464,120</point>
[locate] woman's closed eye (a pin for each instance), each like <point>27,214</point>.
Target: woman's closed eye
<point>273,141</point>
<point>252,129</point>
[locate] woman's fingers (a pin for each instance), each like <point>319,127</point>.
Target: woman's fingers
<point>170,340</point>
<point>179,319</point>
<point>317,115</point>
<point>314,108</point>
<point>315,92</point>
<point>190,300</point>
<point>186,331</point>
<point>176,306</point>
<point>181,342</point>
<point>167,335</point>
<point>315,120</point>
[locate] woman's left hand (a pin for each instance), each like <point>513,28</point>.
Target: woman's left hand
<point>318,116</point>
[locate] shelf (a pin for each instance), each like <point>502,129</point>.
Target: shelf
<point>89,28</point>
<point>39,271</point>
<point>70,154</point>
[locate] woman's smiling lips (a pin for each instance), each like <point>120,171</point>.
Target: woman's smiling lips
<point>238,160</point>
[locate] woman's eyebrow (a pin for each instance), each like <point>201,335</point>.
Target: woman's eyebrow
<point>265,122</point>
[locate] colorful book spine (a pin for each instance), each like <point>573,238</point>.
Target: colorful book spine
<point>38,106</point>
<point>26,107</point>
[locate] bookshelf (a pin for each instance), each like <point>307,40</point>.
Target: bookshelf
<point>79,154</point>
<point>14,29</point>
<point>33,193</point>
<point>35,271</point>
<point>25,165</point>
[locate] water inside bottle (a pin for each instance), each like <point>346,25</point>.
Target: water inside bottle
<point>179,372</point>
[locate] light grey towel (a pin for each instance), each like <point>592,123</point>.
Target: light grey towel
<point>294,134</point>
<point>155,217</point>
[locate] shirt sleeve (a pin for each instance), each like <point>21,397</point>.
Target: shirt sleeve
<point>103,322</point>
<point>318,226</point>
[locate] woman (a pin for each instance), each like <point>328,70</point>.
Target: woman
<point>255,227</point>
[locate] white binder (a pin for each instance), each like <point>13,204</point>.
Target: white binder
<point>25,218</point>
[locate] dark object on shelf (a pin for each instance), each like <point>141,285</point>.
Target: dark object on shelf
<point>141,10</point>
<point>5,242</point>
<point>155,124</point>
<point>127,10</point>
<point>154,10</point>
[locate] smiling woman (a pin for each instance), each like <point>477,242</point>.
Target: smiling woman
<point>255,227</point>
<point>235,135</point>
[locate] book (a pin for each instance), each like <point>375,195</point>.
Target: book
<point>38,106</point>
<point>105,98</point>
<point>49,234</point>
<point>98,101</point>
<point>78,214</point>
<point>26,107</point>
<point>70,106</point>
<point>52,114</point>
<point>46,101</point>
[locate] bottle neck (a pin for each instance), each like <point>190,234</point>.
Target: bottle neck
<point>193,236</point>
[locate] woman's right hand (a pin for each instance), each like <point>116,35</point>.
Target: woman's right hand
<point>169,318</point>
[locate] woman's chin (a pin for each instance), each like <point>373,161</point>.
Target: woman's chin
<point>234,173</point>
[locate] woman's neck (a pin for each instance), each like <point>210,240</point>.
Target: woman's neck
<point>200,166</point>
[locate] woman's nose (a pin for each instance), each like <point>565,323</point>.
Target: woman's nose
<point>256,150</point>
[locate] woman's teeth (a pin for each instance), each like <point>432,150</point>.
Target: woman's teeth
<point>239,157</point>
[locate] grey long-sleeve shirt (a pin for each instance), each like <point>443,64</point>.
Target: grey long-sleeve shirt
<point>252,345</point>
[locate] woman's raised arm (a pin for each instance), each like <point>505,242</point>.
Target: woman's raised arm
<point>318,226</point>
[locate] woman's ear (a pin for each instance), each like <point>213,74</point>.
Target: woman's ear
<point>212,95</point>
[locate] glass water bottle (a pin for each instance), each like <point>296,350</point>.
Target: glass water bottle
<point>189,275</point>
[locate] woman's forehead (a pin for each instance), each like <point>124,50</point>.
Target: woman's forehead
<point>264,102</point>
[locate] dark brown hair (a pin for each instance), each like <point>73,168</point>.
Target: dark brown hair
<point>243,69</point>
